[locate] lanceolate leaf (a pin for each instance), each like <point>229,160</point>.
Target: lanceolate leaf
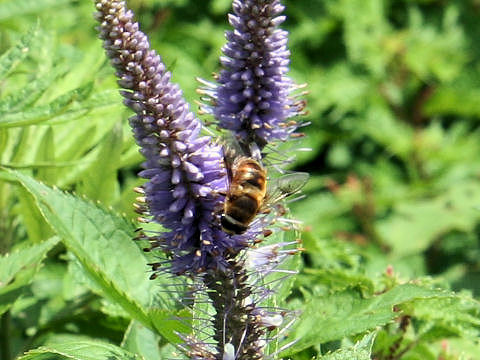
<point>346,313</point>
<point>16,54</point>
<point>80,349</point>
<point>102,242</point>
<point>104,99</point>
<point>31,92</point>
<point>17,270</point>
<point>44,112</point>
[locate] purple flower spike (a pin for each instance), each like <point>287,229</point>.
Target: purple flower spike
<point>253,98</point>
<point>184,170</point>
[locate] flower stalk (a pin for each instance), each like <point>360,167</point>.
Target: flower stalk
<point>234,319</point>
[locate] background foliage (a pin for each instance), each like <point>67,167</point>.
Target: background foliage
<point>392,213</point>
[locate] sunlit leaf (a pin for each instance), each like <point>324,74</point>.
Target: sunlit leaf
<point>362,350</point>
<point>347,313</point>
<point>17,270</point>
<point>101,241</point>
<point>12,8</point>
<point>80,349</point>
<point>12,57</point>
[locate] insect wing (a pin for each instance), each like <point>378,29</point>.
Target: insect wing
<point>287,185</point>
<point>292,183</point>
<point>229,157</point>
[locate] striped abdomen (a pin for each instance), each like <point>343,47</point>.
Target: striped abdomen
<point>245,195</point>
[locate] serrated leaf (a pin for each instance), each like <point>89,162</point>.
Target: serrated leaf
<point>102,242</point>
<point>30,93</point>
<point>10,59</point>
<point>91,61</point>
<point>456,316</point>
<point>286,282</point>
<point>341,279</point>
<point>103,100</point>
<point>100,99</point>
<point>43,113</point>
<point>80,349</point>
<point>362,350</point>
<point>13,8</point>
<point>17,270</point>
<point>346,313</point>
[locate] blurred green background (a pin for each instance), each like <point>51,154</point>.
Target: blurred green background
<point>394,89</point>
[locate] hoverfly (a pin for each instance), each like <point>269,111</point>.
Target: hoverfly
<point>247,193</point>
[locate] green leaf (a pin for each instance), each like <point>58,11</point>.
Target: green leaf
<point>35,225</point>
<point>17,8</point>
<point>362,350</point>
<point>140,340</point>
<point>10,59</point>
<point>168,323</point>
<point>284,287</point>
<point>46,154</point>
<point>283,280</point>
<point>347,313</point>
<point>3,141</point>
<point>341,279</point>
<point>433,53</point>
<point>31,92</point>
<point>382,126</point>
<point>103,99</point>
<point>43,113</point>
<point>79,348</point>
<point>74,146</point>
<point>458,97</point>
<point>102,243</point>
<point>21,146</point>
<point>91,61</point>
<point>17,270</point>
<point>366,31</point>
<point>416,224</point>
<point>455,316</point>
<point>464,349</point>
<point>100,179</point>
